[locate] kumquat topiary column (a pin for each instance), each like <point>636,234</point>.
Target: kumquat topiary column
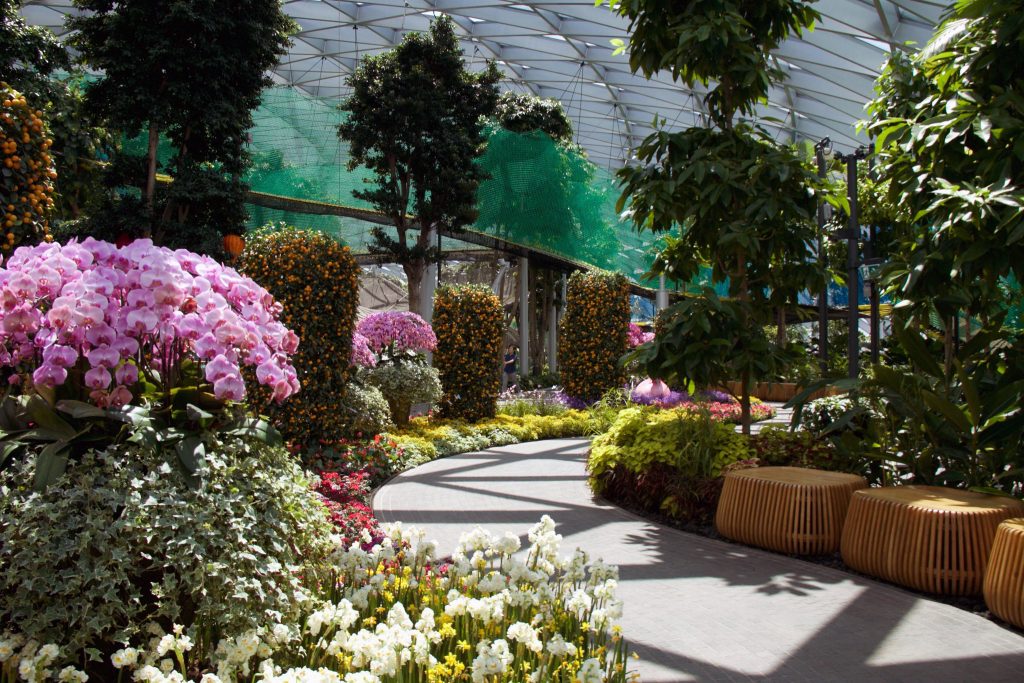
<point>468,324</point>
<point>315,278</point>
<point>593,334</point>
<point>27,172</point>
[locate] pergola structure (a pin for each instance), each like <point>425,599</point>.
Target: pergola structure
<point>564,50</point>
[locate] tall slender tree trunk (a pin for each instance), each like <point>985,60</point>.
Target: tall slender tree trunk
<point>414,275</point>
<point>154,142</point>
<point>744,322</point>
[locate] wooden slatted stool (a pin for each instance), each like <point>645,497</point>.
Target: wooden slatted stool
<point>1004,577</point>
<point>931,538</point>
<point>791,510</point>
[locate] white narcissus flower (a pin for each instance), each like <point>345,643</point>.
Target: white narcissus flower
<point>527,635</point>
<point>590,672</point>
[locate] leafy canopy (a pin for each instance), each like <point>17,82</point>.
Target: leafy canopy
<point>415,120</point>
<point>192,72</point>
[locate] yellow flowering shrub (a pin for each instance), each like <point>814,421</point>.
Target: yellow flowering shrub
<point>468,324</point>
<point>315,278</point>
<point>593,334</point>
<point>27,172</point>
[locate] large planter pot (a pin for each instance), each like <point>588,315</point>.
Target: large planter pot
<point>779,391</point>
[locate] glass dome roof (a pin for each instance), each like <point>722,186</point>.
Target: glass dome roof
<point>563,50</point>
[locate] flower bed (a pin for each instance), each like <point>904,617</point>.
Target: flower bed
<point>392,613</point>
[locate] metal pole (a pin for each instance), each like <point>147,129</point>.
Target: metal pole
<point>524,316</point>
<point>876,322</point>
<point>852,314</point>
<point>661,298</point>
<point>819,151</point>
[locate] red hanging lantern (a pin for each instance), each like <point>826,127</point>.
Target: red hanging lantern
<point>123,240</point>
<point>233,245</point>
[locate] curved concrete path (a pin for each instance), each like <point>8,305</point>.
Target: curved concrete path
<point>703,610</point>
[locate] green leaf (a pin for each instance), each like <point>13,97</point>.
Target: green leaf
<point>80,409</point>
<point>40,412</point>
<point>948,410</point>
<point>49,466</point>
<point>191,452</point>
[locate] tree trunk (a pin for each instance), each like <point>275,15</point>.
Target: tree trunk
<point>745,402</point>
<point>154,142</point>
<point>744,323</point>
<point>780,332</point>
<point>414,274</point>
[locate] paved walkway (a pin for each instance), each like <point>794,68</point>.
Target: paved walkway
<point>704,610</point>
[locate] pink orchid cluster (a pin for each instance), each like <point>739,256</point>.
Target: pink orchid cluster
<point>636,336</point>
<point>397,331</point>
<point>361,353</point>
<point>102,314</point>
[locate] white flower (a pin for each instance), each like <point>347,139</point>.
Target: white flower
<point>210,678</point>
<point>606,590</point>
<point>507,544</point>
<point>167,666</point>
<point>128,656</point>
<point>165,645</point>
<point>492,659</point>
<point>47,653</point>
<point>426,621</point>
<point>558,647</point>
<point>590,672</point>
<point>6,650</point>
<point>70,674</point>
<point>361,677</point>
<point>579,603</point>
<point>525,634</point>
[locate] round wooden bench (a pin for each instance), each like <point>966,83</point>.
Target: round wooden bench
<point>787,509</point>
<point>931,538</point>
<point>1004,577</point>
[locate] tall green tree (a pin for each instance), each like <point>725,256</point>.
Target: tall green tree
<point>190,72</point>
<point>949,126</point>
<point>415,120</point>
<point>744,203</point>
<point>34,62</point>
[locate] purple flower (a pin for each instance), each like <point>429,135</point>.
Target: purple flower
<point>229,388</point>
<point>47,375</point>
<point>103,356</point>
<point>140,302</point>
<point>219,368</point>
<point>401,330</point>
<point>60,355</point>
<point>361,353</point>
<point>127,374</point>
<point>97,378</point>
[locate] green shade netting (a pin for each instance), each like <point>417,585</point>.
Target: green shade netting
<point>539,195</point>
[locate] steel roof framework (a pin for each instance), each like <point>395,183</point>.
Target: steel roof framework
<point>563,50</point>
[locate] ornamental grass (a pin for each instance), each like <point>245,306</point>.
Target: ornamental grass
<point>315,278</point>
<point>468,322</point>
<point>593,334</point>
